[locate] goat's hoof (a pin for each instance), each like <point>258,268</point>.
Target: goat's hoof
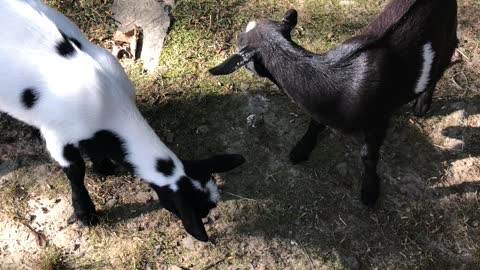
<point>85,219</point>
<point>420,110</point>
<point>421,106</point>
<point>370,194</point>
<point>299,154</point>
<point>105,168</point>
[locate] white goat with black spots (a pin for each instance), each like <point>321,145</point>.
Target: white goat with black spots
<point>79,97</point>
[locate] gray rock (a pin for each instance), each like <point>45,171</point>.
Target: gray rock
<point>144,196</point>
<point>352,262</point>
<point>203,129</point>
<point>153,17</point>
<point>110,203</point>
<point>188,243</point>
<point>342,169</point>
<point>244,86</point>
<point>254,120</point>
<point>169,136</point>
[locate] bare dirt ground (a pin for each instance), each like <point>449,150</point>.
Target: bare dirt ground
<point>274,215</point>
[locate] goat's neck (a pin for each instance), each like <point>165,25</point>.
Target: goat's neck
<point>144,148</point>
<point>297,71</point>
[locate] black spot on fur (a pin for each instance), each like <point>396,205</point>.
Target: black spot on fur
<point>65,47</point>
<point>107,145</point>
<point>76,42</point>
<point>165,166</point>
<point>29,98</point>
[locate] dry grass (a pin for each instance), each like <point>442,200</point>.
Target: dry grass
<point>275,215</point>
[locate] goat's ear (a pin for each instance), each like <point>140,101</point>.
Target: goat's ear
<point>234,62</point>
<point>192,222</point>
<point>290,18</point>
<point>216,164</point>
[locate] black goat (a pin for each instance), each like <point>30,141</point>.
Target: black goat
<point>357,85</point>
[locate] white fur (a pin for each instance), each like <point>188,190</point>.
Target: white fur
<point>428,55</point>
<point>210,188</point>
<point>250,26</point>
<point>79,95</point>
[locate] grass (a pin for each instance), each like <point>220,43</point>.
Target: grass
<point>52,258</point>
<point>274,215</point>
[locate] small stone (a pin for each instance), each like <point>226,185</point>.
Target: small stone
<point>144,196</point>
<point>352,263</point>
<point>110,203</point>
<point>244,86</point>
<point>475,223</point>
<point>188,243</point>
<point>203,129</point>
<point>174,267</point>
<point>254,120</point>
<point>133,227</point>
<point>342,169</point>
<point>169,136</point>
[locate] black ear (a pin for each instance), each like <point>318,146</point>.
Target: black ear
<point>216,164</point>
<point>191,221</point>
<point>290,18</point>
<point>234,62</point>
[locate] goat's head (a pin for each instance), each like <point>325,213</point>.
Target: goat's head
<point>250,42</point>
<point>193,196</point>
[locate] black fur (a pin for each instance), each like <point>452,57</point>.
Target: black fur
<point>29,97</point>
<point>188,205</point>
<point>65,47</point>
<point>103,147</point>
<point>83,207</point>
<point>165,166</point>
<point>357,85</point>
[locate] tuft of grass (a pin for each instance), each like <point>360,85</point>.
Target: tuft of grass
<point>52,258</point>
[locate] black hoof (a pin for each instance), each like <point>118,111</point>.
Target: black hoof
<point>85,219</point>
<point>370,192</point>
<point>105,168</point>
<point>300,152</point>
<point>422,105</point>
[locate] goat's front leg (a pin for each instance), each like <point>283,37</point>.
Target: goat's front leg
<point>301,151</point>
<point>370,154</point>
<point>423,102</point>
<point>69,157</point>
<point>83,207</point>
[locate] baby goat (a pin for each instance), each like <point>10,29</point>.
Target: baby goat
<point>80,98</point>
<point>357,85</point>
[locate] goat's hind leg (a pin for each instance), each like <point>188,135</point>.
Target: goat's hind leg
<point>73,165</point>
<point>302,150</point>
<point>370,154</point>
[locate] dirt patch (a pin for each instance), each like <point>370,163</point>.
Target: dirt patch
<point>274,215</point>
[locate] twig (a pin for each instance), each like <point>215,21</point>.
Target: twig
<point>39,237</point>
<point>309,258</point>
<point>238,196</point>
<point>210,266</point>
